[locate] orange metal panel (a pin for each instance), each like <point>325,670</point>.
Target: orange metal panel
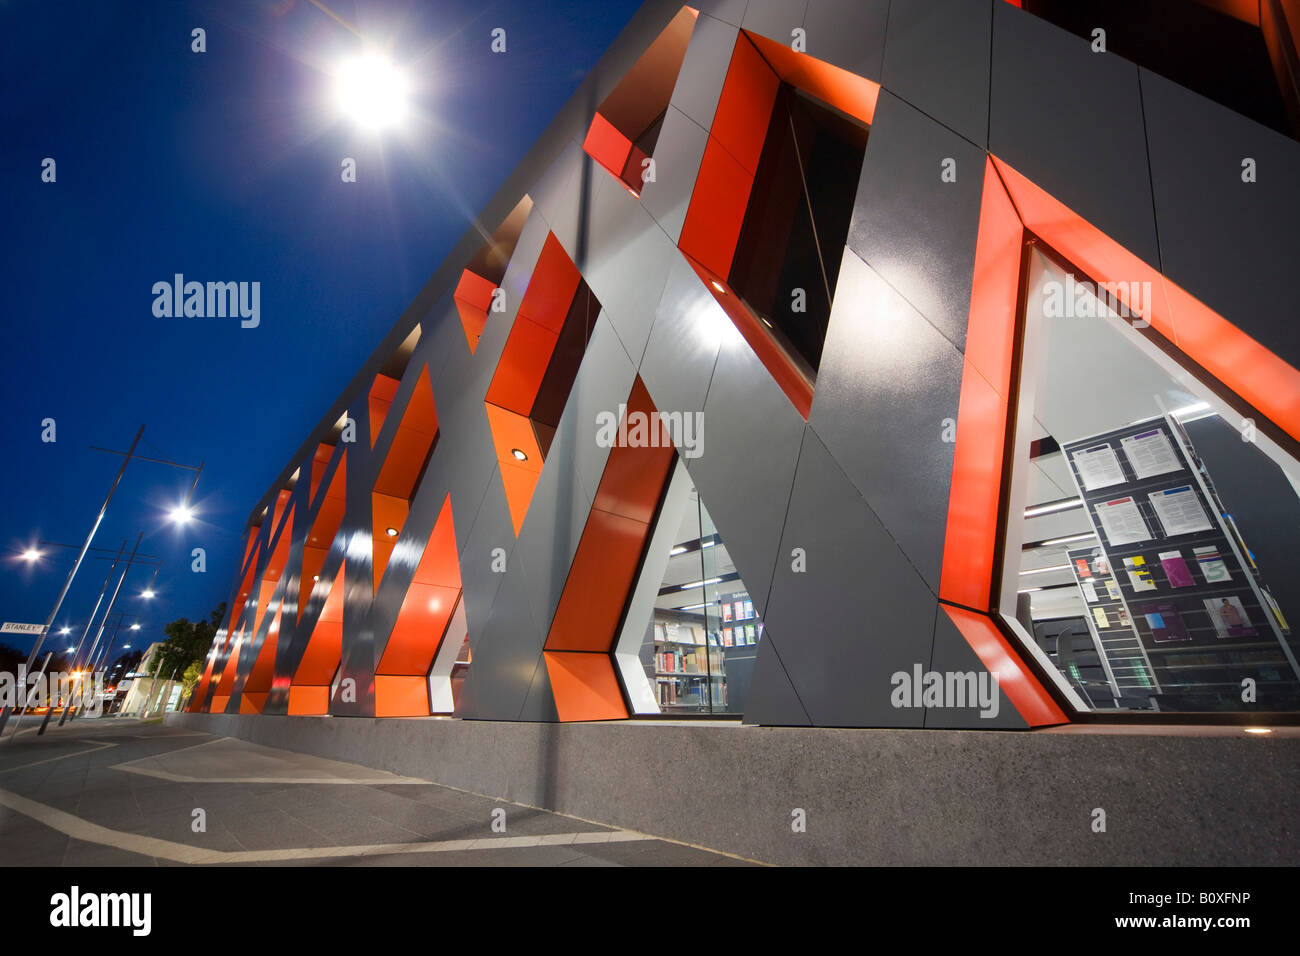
<point>584,686</point>
<point>382,391</point>
<point>607,146</point>
<point>386,512</point>
<point>519,482</point>
<point>439,564</point>
<point>511,430</point>
<point>522,367</point>
<point>970,540</point>
<point>745,105</point>
<point>1016,682</point>
<point>848,92</point>
<point>219,705</point>
<point>551,287</point>
<point>319,462</point>
<point>322,532</point>
<point>972,531</point>
<point>1234,358</point>
<point>634,477</point>
<point>598,583</point>
<point>418,631</point>
<point>313,701</point>
<point>324,648</point>
<point>1259,376</point>
<point>1100,257</point>
<point>411,442</point>
<point>474,290</point>
<point>263,669</point>
<point>401,696</point>
<point>717,210</point>
<point>252,703</point>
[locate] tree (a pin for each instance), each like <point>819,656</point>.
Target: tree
<point>186,645</point>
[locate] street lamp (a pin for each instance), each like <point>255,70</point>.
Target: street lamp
<point>32,555</point>
<point>181,514</point>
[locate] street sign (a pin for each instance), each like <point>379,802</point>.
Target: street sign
<point>12,627</point>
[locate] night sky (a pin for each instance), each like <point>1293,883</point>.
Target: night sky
<point>224,166</point>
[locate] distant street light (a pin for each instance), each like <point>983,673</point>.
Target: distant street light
<point>32,554</point>
<point>181,514</point>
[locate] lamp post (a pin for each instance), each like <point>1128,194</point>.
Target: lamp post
<point>58,603</point>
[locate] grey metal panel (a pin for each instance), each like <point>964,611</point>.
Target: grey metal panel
<point>732,11</point>
<point>551,531</point>
<point>626,261</point>
<point>774,19</point>
<point>357,654</point>
<point>683,347</point>
<point>479,538</point>
<point>539,705</point>
<point>677,158</point>
<point>750,437</point>
<point>847,33</point>
<point>699,82</point>
<point>604,381</point>
<point>859,613</point>
<point>888,380</point>
<point>505,655</point>
<point>465,453</point>
<point>1231,244</point>
<point>952,653</point>
<point>557,195</point>
<point>937,59</point>
<point>772,700</point>
<point>916,230</point>
<point>1071,121</point>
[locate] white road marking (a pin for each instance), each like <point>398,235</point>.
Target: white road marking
<point>80,829</point>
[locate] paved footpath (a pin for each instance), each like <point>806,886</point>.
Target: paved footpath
<point>122,792</point>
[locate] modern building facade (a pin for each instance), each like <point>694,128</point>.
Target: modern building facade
<point>839,363</point>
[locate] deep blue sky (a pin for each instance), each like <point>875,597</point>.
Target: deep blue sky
<point>224,166</point>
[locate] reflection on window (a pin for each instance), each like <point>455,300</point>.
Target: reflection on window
<point>1151,539</point>
<point>691,635</point>
<point>797,222</point>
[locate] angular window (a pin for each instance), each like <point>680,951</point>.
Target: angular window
<point>798,221</point>
<point>1150,556</point>
<point>536,371</point>
<point>626,126</point>
<point>475,294</point>
<point>690,636</point>
<point>770,212</point>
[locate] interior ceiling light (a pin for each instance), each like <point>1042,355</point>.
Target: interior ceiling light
<point>1055,567</point>
<point>1052,507</point>
<point>1069,539</point>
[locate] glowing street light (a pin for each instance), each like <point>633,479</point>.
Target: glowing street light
<point>65,630</point>
<point>135,627</point>
<point>147,593</point>
<point>181,514</point>
<point>371,91</point>
<point>32,554</point>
